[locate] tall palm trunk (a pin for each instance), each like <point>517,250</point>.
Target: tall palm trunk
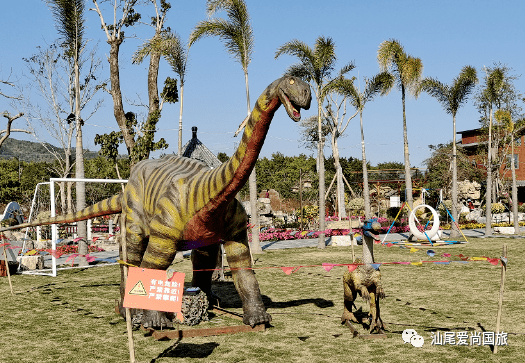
<point>340,191</point>
<point>252,183</point>
<point>366,190</point>
<point>321,242</point>
<point>408,176</point>
<point>488,224</point>
<point>80,186</point>
<point>180,117</point>
<point>454,231</point>
<point>514,189</point>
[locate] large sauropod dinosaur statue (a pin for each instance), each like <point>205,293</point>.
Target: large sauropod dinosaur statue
<point>175,203</point>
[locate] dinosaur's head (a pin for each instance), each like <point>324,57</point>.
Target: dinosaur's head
<point>294,94</point>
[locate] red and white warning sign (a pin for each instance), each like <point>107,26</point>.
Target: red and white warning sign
<point>153,290</point>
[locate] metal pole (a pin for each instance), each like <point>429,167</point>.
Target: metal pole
<point>54,231</point>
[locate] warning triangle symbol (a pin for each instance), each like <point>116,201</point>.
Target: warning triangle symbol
<point>138,289</point>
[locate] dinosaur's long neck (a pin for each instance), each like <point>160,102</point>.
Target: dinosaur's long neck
<point>229,178</point>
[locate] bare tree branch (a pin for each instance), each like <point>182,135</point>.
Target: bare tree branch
<point>8,130</point>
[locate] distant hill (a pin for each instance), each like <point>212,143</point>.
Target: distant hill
<point>34,151</point>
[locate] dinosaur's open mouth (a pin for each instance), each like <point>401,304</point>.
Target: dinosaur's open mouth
<point>292,109</point>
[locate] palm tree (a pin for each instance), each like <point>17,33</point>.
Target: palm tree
<point>176,53</point>
<point>452,97</point>
<point>237,35</point>
<point>169,45</point>
<point>408,72</point>
<point>70,23</point>
<point>491,94</point>
<point>315,67</point>
<point>381,84</point>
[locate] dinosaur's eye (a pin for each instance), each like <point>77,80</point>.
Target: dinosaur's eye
<point>292,81</point>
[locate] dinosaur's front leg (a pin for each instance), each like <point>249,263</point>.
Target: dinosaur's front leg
<point>238,255</point>
<point>377,293</point>
<point>159,255</point>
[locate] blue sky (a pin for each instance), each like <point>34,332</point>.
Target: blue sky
<point>446,35</point>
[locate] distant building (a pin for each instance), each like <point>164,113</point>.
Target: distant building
<point>195,149</point>
<point>474,140</point>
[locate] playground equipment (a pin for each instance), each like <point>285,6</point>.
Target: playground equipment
<point>421,233</point>
<point>12,211</point>
<point>425,235</point>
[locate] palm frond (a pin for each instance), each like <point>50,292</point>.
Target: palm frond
<point>346,68</point>
<point>70,22</point>
<point>213,6</point>
<point>236,33</point>
<point>300,71</point>
<point>176,54</point>
<point>438,90</point>
<point>325,58</point>
<point>411,73</point>
<point>381,84</point>
<point>346,88</point>
<point>142,52</point>
<point>388,52</point>
<point>462,87</point>
<point>297,49</point>
<point>453,96</point>
<point>494,83</point>
<point>205,29</point>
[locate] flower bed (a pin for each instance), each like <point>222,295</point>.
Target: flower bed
<point>401,226</point>
<point>70,249</point>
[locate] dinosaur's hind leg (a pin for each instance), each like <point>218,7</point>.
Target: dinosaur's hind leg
<point>238,255</point>
<point>204,261</point>
<point>376,324</point>
<point>350,294</point>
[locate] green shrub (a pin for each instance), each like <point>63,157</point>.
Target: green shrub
<point>497,208</point>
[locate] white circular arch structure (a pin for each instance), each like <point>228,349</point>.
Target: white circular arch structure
<point>412,224</point>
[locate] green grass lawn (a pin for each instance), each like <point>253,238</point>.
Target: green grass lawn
<point>71,318</point>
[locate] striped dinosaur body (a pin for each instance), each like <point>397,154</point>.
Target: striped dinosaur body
<point>175,203</point>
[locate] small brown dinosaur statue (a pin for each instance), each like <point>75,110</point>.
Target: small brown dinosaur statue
<point>365,280</point>
<point>175,203</point>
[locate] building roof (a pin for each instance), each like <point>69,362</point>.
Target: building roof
<point>195,149</point>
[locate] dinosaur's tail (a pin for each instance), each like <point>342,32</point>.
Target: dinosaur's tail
<point>105,207</point>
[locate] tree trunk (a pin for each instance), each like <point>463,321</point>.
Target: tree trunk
<point>255,244</point>
<point>116,94</point>
<point>340,187</point>
<point>320,148</point>
<point>488,213</point>
<point>63,201</point>
<point>153,75</point>
<point>366,190</point>
<point>368,250</point>
<point>514,190</point>
<point>408,176</point>
<point>180,117</point>
<point>454,231</point>
<point>252,183</point>
<point>80,186</point>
